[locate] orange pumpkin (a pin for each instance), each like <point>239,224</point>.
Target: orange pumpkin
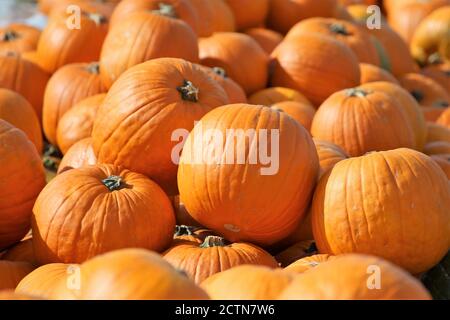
<point>425,90</point>
<point>432,114</point>
<point>79,154</point>
<point>302,112</point>
<point>302,63</point>
<point>22,178</point>
<point>77,123</point>
<point>437,147</point>
<point>19,38</point>
<point>214,16</point>
<point>234,91</point>
<point>249,13</point>
<point>17,111</point>
<point>371,73</point>
<point>439,72</point>
<point>307,263</point>
<point>266,38</point>
<point>444,162</point>
<point>12,272</point>
<point>247,63</point>
<point>437,132</point>
<point>270,96</point>
<point>11,295</point>
<point>99,205</point>
<point>296,251</point>
<point>68,86</point>
<point>352,2</point>
<point>223,16</point>
<point>262,217</point>
<point>103,7</point>
<point>385,187</point>
<point>329,154</point>
<point>444,119</point>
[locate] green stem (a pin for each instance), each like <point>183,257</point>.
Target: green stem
<point>356,92</point>
<point>93,67</point>
<point>188,91</point>
<point>113,183</point>
<point>166,10</point>
<point>339,29</point>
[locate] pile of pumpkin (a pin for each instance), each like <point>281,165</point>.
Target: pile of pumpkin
<point>359,207</point>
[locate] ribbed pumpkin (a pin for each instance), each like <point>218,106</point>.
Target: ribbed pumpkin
<point>79,154</point>
<point>296,251</point>
<point>329,154</point>
<point>21,251</point>
<point>18,37</point>
<point>270,96</point>
<point>437,147</point>
<point>444,162</point>
<point>425,90</point>
<point>97,208</point>
<point>266,38</point>
<point>439,72</point>
<point>156,36</point>
<point>302,63</point>
<point>249,13</point>
<point>359,121</point>
<point>18,111</point>
<point>68,86</point>
<point>444,119</point>
<point>248,283</point>
<point>22,178</point>
<point>437,132</point>
<point>234,91</point>
<point>24,77</point>
<point>77,123</point>
<point>385,187</point>
<point>12,272</point>
<point>307,263</point>
<point>247,63</point>
<point>371,73</point>
<point>355,277</point>
<point>214,255</point>
<point>211,168</point>
<point>302,112</point>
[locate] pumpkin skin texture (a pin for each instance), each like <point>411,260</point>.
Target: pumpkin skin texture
<point>425,90</point>
<point>307,263</point>
<point>270,214</point>
<point>437,132</point>
<point>249,13</point>
<point>141,112</point>
<point>329,154</point>
<point>437,147</point>
<point>19,38</point>
<point>302,63</point>
<point>99,205</point>
<point>159,37</point>
<point>201,261</point>
<point>79,154</point>
<point>444,162</point>
<point>135,274</point>
<point>249,283</point>
<point>270,96</point>
<point>352,119</point>
<point>266,38</point>
<point>22,178</point>
<point>234,91</point>
<point>440,73</point>
<point>348,277</point>
<point>12,272</point>
<point>15,75</point>
<point>444,119</point>
<point>303,113</point>
<point>385,187</point>
<point>68,86</point>
<point>371,73</point>
<point>247,63</point>
<point>77,123</point>
<point>18,111</point>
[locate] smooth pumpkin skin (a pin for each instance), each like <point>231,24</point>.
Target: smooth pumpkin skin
<point>249,13</point>
<point>307,263</point>
<point>213,16</point>
<point>360,205</point>
<point>425,90</point>
<point>79,205</point>
<point>9,294</point>
<point>303,60</point>
<point>234,91</point>
<point>303,113</point>
<point>295,252</point>
<point>437,147</point>
<point>223,16</point>
<point>360,121</point>
<point>68,86</point>
<point>437,132</point>
<point>439,72</point>
<point>18,37</point>
<point>329,154</point>
<point>212,193</point>
<point>22,178</point>
<point>15,75</point>
<point>77,123</point>
<point>155,36</point>
<point>270,96</point>
<point>18,111</point>
<point>79,154</point>
<point>247,63</point>
<point>248,283</point>
<point>201,261</point>
<point>444,162</point>
<point>444,119</point>
<point>12,272</point>
<point>266,38</point>
<point>371,73</point>
<point>349,277</point>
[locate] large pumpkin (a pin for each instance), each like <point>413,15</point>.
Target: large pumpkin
<point>270,96</point>
<point>142,112</point>
<point>12,272</point>
<point>329,154</point>
<point>307,263</point>
<point>79,154</point>
<point>425,90</point>
<point>22,178</point>
<point>144,36</point>
<point>19,38</point>
<point>249,13</point>
<point>302,112</point>
<point>69,85</point>
<point>371,73</point>
<point>266,38</point>
<point>214,166</point>
<point>400,197</point>
<point>97,208</point>
<point>234,91</point>
<point>302,63</point>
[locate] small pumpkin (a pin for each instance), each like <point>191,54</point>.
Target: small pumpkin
<point>19,38</point>
<point>437,132</point>
<point>371,73</point>
<point>444,162</point>
<point>270,96</point>
<point>329,154</point>
<point>437,147</point>
<point>296,251</point>
<point>12,272</point>
<point>425,90</point>
<point>444,119</point>
<point>302,112</point>
<point>266,38</point>
<point>79,155</point>
<point>307,263</point>
<point>439,72</point>
<point>249,13</point>
<point>234,91</point>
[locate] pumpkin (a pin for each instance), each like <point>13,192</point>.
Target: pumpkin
<point>11,295</point>
<point>355,277</point>
<point>439,72</point>
<point>21,251</point>
<point>135,274</point>
<point>247,63</point>
<point>24,77</point>
<point>249,13</point>
<point>329,154</point>
<point>141,112</point>
<point>214,16</point>
<point>432,114</point>
<point>360,121</point>
<point>77,123</point>
<point>182,216</point>
<point>266,38</point>
<point>19,38</point>
<point>17,111</point>
<point>263,217</point>
<point>341,13</point>
<point>79,154</point>
<point>284,14</point>
<point>249,282</point>
<point>156,36</point>
<point>302,63</point>
<point>444,162</point>
<point>371,73</point>
<point>60,45</point>
<point>223,16</point>
<point>45,6</point>
<point>307,263</point>
<point>296,251</point>
<point>12,272</point>
<point>384,187</point>
<point>437,132</point>
<point>444,119</point>
<point>22,178</point>
<point>270,96</point>
<point>31,56</point>
<point>214,255</point>
<point>185,234</point>
<point>353,2</point>
<point>68,86</point>
<point>99,205</point>
<point>234,91</point>
<point>302,112</point>
<point>344,31</point>
<point>437,147</point>
<point>425,90</point>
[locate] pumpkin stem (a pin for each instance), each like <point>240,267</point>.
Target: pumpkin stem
<point>220,72</point>
<point>183,230</point>
<point>188,91</point>
<point>339,28</point>
<point>435,58</point>
<point>93,67</point>
<point>10,35</point>
<point>418,95</point>
<point>356,92</point>
<point>97,18</point>
<point>166,10</point>
<point>113,183</point>
<point>213,241</point>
